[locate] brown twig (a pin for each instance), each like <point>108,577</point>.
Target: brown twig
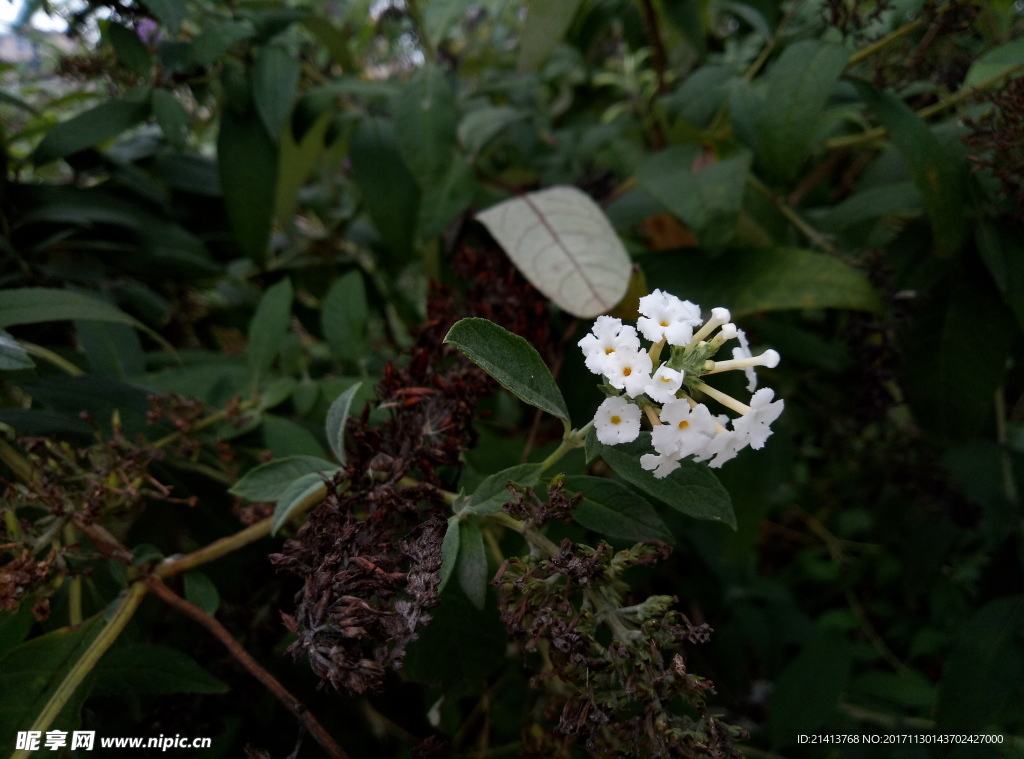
<point>658,57</point>
<point>292,704</point>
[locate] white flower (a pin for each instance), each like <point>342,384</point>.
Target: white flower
<point>685,431</point>
<point>664,384</point>
<point>629,371</point>
<point>743,351</point>
<point>666,317</point>
<point>755,424</point>
<point>662,464</point>
<point>617,421</point>
<point>608,335</point>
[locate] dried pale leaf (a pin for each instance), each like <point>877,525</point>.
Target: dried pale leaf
<point>562,242</point>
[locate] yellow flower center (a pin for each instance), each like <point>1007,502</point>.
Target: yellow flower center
<point>608,350</point>
<point>615,420</point>
<point>626,372</point>
<point>663,323</point>
<point>684,424</point>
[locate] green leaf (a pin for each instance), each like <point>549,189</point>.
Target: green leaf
<point>129,49</point>
<point>32,671</point>
<point>510,360</point>
<point>440,15</point>
<point>34,305</point>
<point>112,349</point>
<point>99,124</point>
<point>999,60</point>
<point>909,688</point>
<point>171,117</point>
<point>143,668</point>
<point>449,196</point>
<point>449,552</point>
<point>247,160</point>
<point>426,118</point>
<point>268,482</point>
<point>332,38</point>
<point>200,590</point>
<point>269,326</point>
<point>1002,251</point>
<point>936,171</point>
<point>492,494</point>
<point>344,317</point>
<point>799,83</point>
<point>692,489</point>
<point>337,415</point>
<point>12,356</point>
<point>275,83</point>
<point>388,188</point>
<point>482,125</point>
<point>216,39</point>
<point>472,564</point>
<point>561,241</point>
<point>460,647</point>
<point>307,490</point>
<point>985,668</point>
<point>15,627</point>
<point>947,352</point>
<point>808,688</point>
<point>297,160</point>
<point>708,200</point>
<point>286,438</point>
<point>170,12</point>
<point>767,279</point>
<point>547,21</point>
<point>613,509</point>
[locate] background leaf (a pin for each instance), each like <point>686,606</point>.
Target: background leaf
<point>768,279</point>
<point>562,242</point>
<point>389,189</point>
<point>269,326</point>
<point>143,668</point>
<point>200,590</point>
<point>808,689</point>
<point>129,48</point>
<point>426,118</point>
<point>247,160</point>
<point>99,124</point>
<point>547,21</point>
<point>275,82</point>
<point>449,552</point>
<point>611,509</point>
<point>512,361</point>
<point>707,200</point>
<point>344,317</point>
<point>799,83</point>
<point>12,356</point>
<point>937,172</point>
<point>32,671</point>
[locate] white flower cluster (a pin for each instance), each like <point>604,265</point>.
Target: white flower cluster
<point>681,426</point>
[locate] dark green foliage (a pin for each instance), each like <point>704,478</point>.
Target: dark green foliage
<point>234,237</point>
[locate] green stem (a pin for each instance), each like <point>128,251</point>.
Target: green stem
<point>122,615</point>
<point>816,237</point>
<point>874,47</point>
<point>202,424</point>
<point>947,102</point>
<point>572,440</point>
<point>48,355</point>
<point>17,463</point>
